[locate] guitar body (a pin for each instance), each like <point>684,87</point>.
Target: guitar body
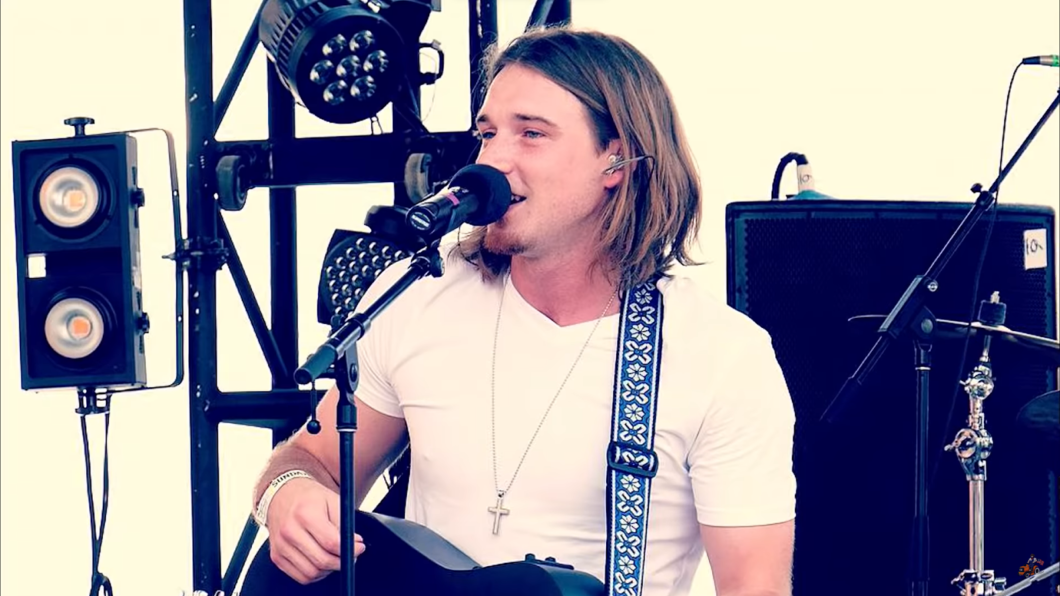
<point>403,557</point>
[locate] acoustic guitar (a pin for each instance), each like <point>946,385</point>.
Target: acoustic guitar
<point>405,558</point>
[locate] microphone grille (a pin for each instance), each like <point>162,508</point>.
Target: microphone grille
<point>491,188</point>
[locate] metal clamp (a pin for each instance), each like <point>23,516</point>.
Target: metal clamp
<point>199,248</point>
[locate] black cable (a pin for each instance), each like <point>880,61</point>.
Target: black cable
<point>91,499</point>
<point>798,158</point>
<point>88,405</point>
<point>106,490</point>
<point>972,310</point>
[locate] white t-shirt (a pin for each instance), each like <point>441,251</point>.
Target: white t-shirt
<point>724,425</point>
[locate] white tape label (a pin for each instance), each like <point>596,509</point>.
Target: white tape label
<point>1035,249</point>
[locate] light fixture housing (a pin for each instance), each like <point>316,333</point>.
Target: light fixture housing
<point>77,236</point>
<point>344,60</point>
<point>353,260</point>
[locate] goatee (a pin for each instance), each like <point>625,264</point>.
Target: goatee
<point>500,248</point>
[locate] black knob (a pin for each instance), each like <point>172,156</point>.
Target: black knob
<point>79,123</point>
<point>992,312</point>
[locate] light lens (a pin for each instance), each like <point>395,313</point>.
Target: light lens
<point>334,46</point>
<point>69,197</point>
<point>349,66</point>
<point>335,93</point>
<point>74,328</point>
<point>322,72</point>
<point>376,62</point>
<point>362,40</point>
<point>363,87</point>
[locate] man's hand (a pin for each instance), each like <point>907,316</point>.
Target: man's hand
<point>303,524</point>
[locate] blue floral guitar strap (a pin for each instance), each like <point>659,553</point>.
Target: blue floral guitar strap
<point>631,458</point>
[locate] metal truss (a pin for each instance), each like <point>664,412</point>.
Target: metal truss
<point>281,163</point>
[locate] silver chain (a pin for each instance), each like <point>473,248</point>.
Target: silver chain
<point>493,391</point>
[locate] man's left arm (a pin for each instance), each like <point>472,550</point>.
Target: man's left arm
<point>750,560</point>
<point>740,465</point>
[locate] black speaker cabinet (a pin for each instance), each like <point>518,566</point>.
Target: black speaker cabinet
<point>801,269</point>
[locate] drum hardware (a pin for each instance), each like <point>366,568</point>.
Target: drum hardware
<point>973,445</point>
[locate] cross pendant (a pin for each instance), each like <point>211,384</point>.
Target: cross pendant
<point>498,510</point>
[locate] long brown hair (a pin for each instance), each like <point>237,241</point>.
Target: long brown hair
<point>653,216</point>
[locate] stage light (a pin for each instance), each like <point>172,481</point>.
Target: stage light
<point>81,318</point>
<point>354,259</point>
<point>344,60</point>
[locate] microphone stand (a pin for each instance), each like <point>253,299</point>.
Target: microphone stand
<point>340,349</point>
<point>911,313</point>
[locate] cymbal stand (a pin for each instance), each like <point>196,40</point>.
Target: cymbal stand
<point>973,445</point>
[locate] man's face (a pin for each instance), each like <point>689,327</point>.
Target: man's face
<point>540,136</point>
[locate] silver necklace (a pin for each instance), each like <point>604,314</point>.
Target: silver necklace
<point>498,509</point>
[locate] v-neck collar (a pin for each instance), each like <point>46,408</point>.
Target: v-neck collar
<point>516,306</point>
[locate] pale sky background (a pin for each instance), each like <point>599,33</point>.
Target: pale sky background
<point>898,100</point>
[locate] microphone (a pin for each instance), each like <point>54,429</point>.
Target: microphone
<point>477,194</point>
<point>1050,60</point>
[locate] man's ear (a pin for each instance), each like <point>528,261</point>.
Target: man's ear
<point>614,172</point>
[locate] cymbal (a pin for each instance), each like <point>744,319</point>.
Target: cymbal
<point>1040,418</point>
<point>950,330</point>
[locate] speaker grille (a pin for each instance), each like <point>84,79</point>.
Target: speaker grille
<point>801,270</point>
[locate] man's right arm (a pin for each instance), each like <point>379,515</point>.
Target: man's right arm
<point>378,442</point>
<point>303,514</point>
